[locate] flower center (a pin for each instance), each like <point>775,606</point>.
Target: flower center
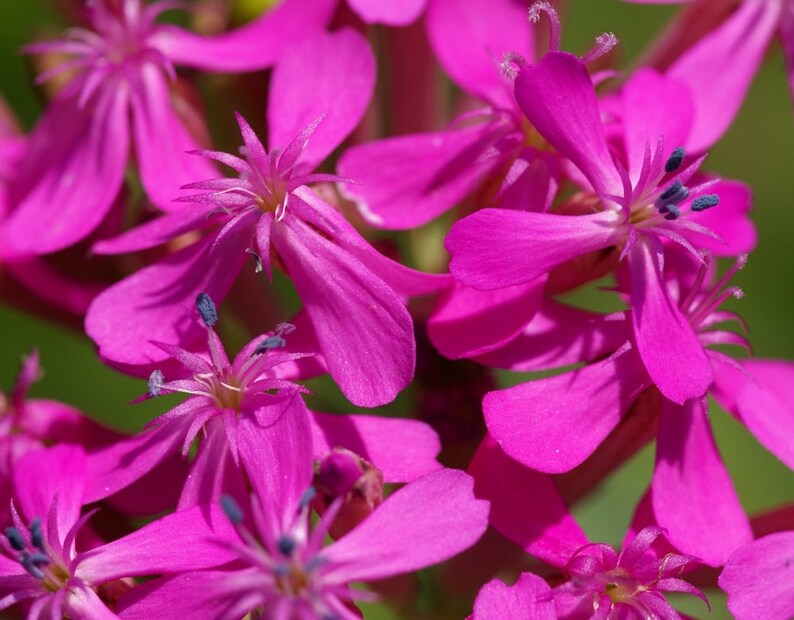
<point>227,392</point>
<point>34,556</point>
<point>292,579</point>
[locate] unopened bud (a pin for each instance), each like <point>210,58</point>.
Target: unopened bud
<point>344,474</point>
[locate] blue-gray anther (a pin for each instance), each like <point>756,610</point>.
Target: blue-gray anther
<point>156,381</point>
<point>207,310</point>
<point>675,160</point>
<point>307,497</point>
<point>281,570</point>
<point>15,538</point>
<point>33,570</point>
<point>671,212</point>
<point>232,510</point>
<point>39,559</point>
<point>673,194</point>
<point>701,203</point>
<point>270,343</point>
<point>35,534</point>
<point>286,545</point>
<point>28,565</point>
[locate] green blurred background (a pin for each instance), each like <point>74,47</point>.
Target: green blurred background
<point>759,150</point>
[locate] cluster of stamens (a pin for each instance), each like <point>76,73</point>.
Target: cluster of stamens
<point>33,555</point>
<point>669,202</point>
<point>118,44</point>
<point>287,559</point>
<point>222,383</point>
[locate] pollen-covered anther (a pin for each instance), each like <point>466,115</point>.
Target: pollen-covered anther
<point>156,381</point>
<point>286,545</point>
<point>34,557</point>
<point>701,203</point>
<point>276,340</point>
<point>675,160</point>
<point>231,509</point>
<point>207,310</point>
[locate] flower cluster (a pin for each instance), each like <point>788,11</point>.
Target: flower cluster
<point>366,239</point>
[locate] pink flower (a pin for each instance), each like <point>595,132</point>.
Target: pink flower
<point>41,562</point>
<point>598,582</point>
<point>758,578</point>
<point>282,564</point>
<point>692,491</point>
<point>30,423</point>
<point>226,400</point>
<point>74,165</point>
<point>636,209</point>
<point>720,64</point>
<point>354,297</point>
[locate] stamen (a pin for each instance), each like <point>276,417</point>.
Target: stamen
<point>15,538</point>
<point>36,536</point>
<point>156,381</point>
<point>675,160</point>
<point>286,545</point>
<point>307,497</point>
<point>670,212</point>
<point>701,203</point>
<point>32,568</point>
<point>207,310</point>
<point>673,194</point>
<point>231,509</point>
<point>276,340</point>
<point>554,22</point>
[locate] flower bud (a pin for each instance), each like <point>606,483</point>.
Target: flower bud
<point>344,474</point>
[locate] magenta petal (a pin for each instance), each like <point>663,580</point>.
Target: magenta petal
<point>256,45</point>
<point>52,421</point>
<point>388,12</point>
<point>470,47</point>
<point>122,463</point>
<point>654,105</point>
<point>330,76</point>
<point>40,276</point>
<point>71,174</point>
<point>186,540</point>
<point>190,595</point>
<point>276,451</point>
<point>693,497</point>
<point>558,98</point>
<point>672,354</point>
<point>405,281</point>
<point>425,522</point>
<point>213,473</point>
<point>525,506</point>
<point>83,602</point>
<point>764,401</point>
<point>554,424</point>
<point>156,303</point>
<point>157,231</point>
<point>373,438</point>
<point>467,322</point>
<point>721,65</point>
<point>759,578</point>
<point>528,598</point>
<point>162,143</point>
<point>730,221</point>
<point>39,478</point>
<point>559,335</point>
<point>496,248</point>
<point>406,181</point>
<point>357,317</point>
